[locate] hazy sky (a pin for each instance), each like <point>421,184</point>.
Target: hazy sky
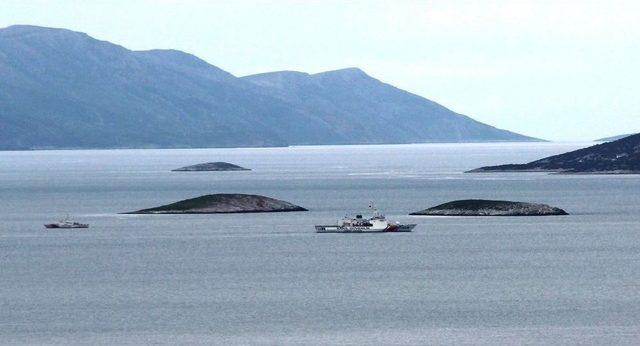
<point>560,70</point>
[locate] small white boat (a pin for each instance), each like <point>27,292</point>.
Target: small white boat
<point>65,223</point>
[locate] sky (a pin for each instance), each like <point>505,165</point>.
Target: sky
<point>558,70</point>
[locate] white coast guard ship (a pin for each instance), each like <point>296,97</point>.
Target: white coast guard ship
<point>376,224</point>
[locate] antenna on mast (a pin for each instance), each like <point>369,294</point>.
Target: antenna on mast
<point>374,210</point>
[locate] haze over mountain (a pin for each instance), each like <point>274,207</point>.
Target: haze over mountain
<point>64,89</point>
<point>614,138</point>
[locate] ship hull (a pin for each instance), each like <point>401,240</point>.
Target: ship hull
<point>65,227</point>
<point>356,229</point>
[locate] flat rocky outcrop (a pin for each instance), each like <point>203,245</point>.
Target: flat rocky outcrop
<point>211,167</point>
<point>480,207</point>
<point>617,157</point>
<point>223,203</point>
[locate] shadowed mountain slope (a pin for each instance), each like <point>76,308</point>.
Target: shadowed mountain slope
<point>618,157</point>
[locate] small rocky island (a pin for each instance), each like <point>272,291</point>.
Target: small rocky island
<point>224,204</point>
<point>480,207</point>
<point>211,167</point>
<point>617,157</point>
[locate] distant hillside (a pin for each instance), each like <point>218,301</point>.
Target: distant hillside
<point>64,89</point>
<point>618,157</point>
<point>362,109</point>
<point>611,139</point>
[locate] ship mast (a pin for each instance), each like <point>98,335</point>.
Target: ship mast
<point>374,210</point>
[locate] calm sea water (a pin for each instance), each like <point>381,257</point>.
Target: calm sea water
<point>268,279</point>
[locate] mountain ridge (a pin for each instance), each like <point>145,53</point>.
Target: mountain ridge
<point>65,89</point>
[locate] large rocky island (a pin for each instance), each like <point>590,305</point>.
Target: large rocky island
<point>211,167</point>
<point>223,204</point>
<point>617,157</point>
<point>480,207</point>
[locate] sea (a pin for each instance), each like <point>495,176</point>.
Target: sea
<point>268,279</point>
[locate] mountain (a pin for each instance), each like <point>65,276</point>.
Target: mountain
<point>618,157</point>
<point>362,109</point>
<point>611,139</point>
<point>64,89</point>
